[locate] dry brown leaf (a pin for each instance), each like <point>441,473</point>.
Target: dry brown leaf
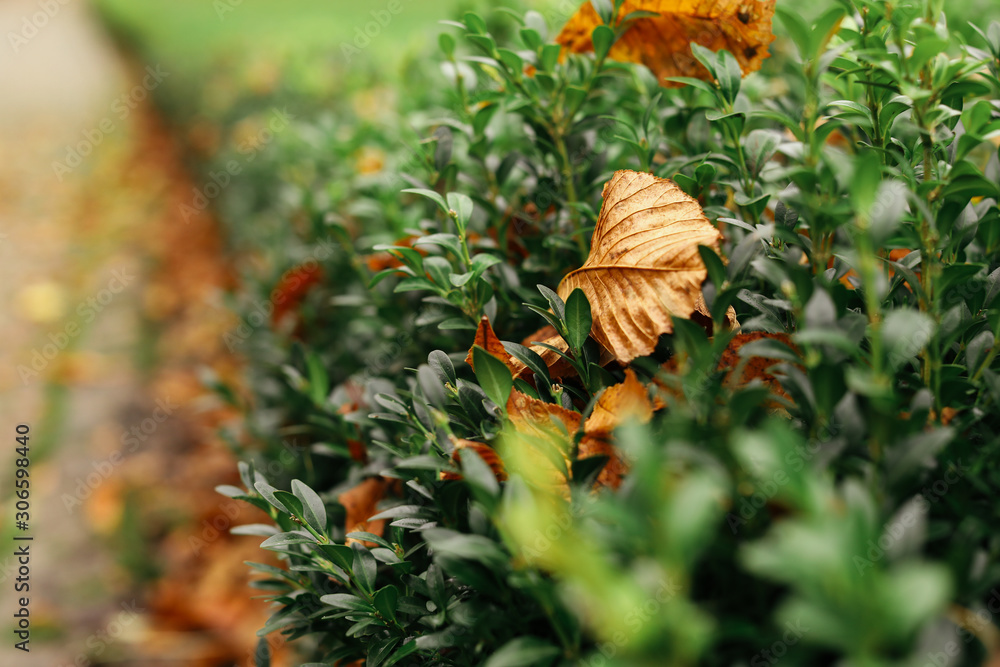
<point>644,265</point>
<point>533,417</point>
<point>487,339</point>
<point>361,503</point>
<point>619,403</point>
<point>537,419</point>
<point>663,43</point>
<point>486,453</point>
<point>614,470</point>
<point>755,368</point>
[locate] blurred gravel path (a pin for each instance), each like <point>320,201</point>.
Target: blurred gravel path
<point>108,307</point>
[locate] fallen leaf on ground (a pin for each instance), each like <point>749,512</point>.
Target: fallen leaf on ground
<point>644,265</point>
<point>663,43</point>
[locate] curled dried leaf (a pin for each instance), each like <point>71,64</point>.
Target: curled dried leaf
<point>755,368</point>
<point>663,43</point>
<point>644,266</point>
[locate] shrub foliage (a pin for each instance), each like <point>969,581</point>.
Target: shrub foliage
<point>760,423</point>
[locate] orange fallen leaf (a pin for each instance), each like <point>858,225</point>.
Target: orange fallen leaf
<point>617,404</point>
<point>361,503</point>
<point>755,368</point>
<point>644,265</point>
<point>292,289</point>
<point>614,470</point>
<point>663,43</point>
<point>536,418</point>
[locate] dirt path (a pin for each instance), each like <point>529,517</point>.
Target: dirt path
<point>110,307</point>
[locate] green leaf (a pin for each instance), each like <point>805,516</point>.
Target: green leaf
<point>340,555</point>
<point>555,302</point>
<point>286,539</point>
<point>578,319</point>
<point>511,60</point>
<point>461,205</point>
<point>385,602</point>
<point>447,44</point>
<point>293,504</point>
<point>267,491</point>
<point>365,567</point>
<point>493,376</point>
<point>479,476</point>
<point>605,10</point>
<point>522,652</point>
<point>603,38</point>
<point>430,194</point>
<point>441,364</point>
<point>314,511</point>
<point>345,601</point>
<point>716,269</point>
<point>262,654</point>
<point>475,23</point>
<point>529,358</point>
<point>549,57</point>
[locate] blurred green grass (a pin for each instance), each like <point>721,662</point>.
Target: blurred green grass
<point>192,33</point>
